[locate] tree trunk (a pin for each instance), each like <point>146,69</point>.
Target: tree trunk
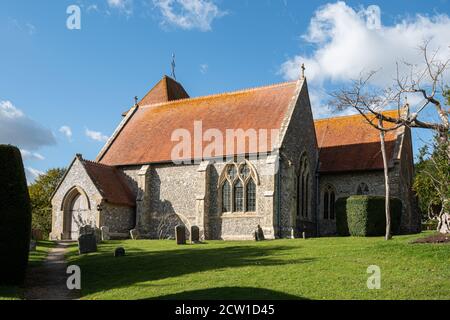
<point>444,220</point>
<point>388,235</point>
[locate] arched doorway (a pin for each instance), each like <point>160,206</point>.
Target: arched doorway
<point>76,208</point>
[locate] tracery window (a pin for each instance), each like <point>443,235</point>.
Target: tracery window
<point>241,197</point>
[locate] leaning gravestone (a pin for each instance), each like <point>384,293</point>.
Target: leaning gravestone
<point>180,234</point>
<point>87,243</point>
<point>105,233</point>
<point>119,252</point>
<point>195,234</point>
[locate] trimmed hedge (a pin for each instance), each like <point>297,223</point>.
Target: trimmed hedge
<point>15,217</point>
<point>364,216</point>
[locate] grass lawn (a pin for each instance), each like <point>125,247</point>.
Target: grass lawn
<point>323,268</point>
<point>35,258</point>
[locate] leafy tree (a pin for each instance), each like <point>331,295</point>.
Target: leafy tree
<point>40,192</point>
<point>432,183</point>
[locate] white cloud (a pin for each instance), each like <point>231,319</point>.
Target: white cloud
<point>28,155</point>
<point>17,129</point>
<point>348,42</point>
<point>96,135</point>
<point>32,174</point>
<point>124,6</point>
<point>67,131</point>
<point>189,14</point>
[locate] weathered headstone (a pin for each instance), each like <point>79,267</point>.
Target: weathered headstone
<point>259,234</point>
<point>105,233</point>
<point>86,229</point>
<point>135,234</point>
<point>98,235</point>
<point>32,245</point>
<point>195,234</point>
<point>87,243</point>
<point>119,252</point>
<point>180,234</point>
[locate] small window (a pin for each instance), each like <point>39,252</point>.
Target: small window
<point>329,198</point>
<point>363,189</point>
<point>332,202</point>
<point>226,197</point>
<point>251,196</point>
<point>238,197</point>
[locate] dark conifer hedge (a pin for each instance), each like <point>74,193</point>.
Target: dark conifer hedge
<point>15,217</point>
<point>364,216</point>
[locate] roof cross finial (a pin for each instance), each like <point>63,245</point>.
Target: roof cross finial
<point>303,71</point>
<point>136,100</point>
<point>173,67</point>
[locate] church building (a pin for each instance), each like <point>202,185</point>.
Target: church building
<point>228,163</point>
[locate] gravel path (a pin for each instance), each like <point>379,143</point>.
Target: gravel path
<point>48,281</point>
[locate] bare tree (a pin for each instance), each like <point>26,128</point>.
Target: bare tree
<point>427,81</point>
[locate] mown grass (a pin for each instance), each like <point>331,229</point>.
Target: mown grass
<point>35,258</point>
<point>322,268</point>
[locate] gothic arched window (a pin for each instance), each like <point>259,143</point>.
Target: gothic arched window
<point>363,189</point>
<point>329,198</point>
<point>226,197</point>
<point>238,196</point>
<point>250,193</point>
<point>238,187</point>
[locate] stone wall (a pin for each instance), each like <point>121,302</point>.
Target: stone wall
<point>119,219</point>
<point>300,140</point>
<point>189,195</point>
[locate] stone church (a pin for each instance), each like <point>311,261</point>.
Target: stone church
<point>148,179</point>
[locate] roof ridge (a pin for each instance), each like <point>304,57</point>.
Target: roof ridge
<point>349,116</point>
<point>98,164</point>
<point>216,95</point>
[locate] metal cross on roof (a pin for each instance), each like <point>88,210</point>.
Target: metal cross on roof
<point>303,70</point>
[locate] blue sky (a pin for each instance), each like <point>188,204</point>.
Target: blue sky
<point>82,80</point>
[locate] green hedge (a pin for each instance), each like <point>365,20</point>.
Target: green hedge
<point>15,217</point>
<point>365,216</point>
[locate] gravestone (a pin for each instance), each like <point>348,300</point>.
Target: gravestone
<point>86,229</point>
<point>259,234</point>
<point>32,245</point>
<point>105,233</point>
<point>87,243</point>
<point>180,234</point>
<point>135,234</point>
<point>195,234</point>
<point>98,235</point>
<point>119,252</point>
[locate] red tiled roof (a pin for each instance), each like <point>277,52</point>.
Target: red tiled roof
<point>111,183</point>
<point>350,144</point>
<point>146,137</point>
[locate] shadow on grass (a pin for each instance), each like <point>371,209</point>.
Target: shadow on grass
<point>229,293</point>
<point>101,271</point>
